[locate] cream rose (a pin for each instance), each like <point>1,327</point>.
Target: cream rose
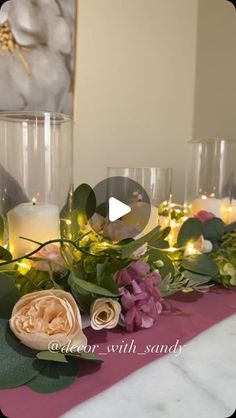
<point>41,318</point>
<point>105,313</point>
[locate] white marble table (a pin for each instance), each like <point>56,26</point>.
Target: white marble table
<point>201,382</point>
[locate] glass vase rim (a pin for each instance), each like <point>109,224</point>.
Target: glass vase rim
<point>139,167</point>
<point>211,139</point>
<point>33,116</point>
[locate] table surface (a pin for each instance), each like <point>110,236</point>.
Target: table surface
<point>200,382</point>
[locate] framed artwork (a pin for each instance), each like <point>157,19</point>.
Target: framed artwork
<point>37,55</point>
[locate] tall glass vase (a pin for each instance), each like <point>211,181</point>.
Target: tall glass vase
<point>210,177</point>
<point>36,170</point>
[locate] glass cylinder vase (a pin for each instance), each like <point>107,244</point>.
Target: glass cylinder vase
<point>36,177</point>
<point>210,177</point>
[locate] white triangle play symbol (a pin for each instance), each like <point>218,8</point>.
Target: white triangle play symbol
<point>117,209</point>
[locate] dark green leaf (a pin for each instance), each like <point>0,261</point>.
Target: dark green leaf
<point>84,201</point>
<point>90,357</point>
<point>55,376</point>
<point>230,228</point>
<point>52,356</point>
<point>78,284</point>
<point>214,229</point>
<point>109,283</point>
<point>17,362</point>
<point>200,264</point>
<point>5,255</point>
<point>191,230</point>
<point>9,295</point>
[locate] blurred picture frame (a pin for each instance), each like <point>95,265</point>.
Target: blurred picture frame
<point>38,43</point>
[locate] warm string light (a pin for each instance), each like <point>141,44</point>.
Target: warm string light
<point>24,266</point>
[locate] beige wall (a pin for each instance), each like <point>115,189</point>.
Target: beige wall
<point>215,98</point>
<point>136,68</point>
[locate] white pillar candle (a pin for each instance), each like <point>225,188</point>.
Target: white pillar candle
<point>228,211</point>
<point>209,204</point>
<point>38,222</point>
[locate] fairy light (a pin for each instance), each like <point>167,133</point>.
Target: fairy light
<point>23,267</point>
<point>190,249</point>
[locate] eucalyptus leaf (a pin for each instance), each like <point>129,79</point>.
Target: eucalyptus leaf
<point>9,295</point>
<point>90,357</point>
<point>214,229</point>
<point>201,264</point>
<point>197,278</point>
<point>17,362</point>
<point>55,376</point>
<point>191,230</point>
<point>128,249</point>
<point>156,255</point>
<point>52,356</point>
<point>84,201</point>
<point>77,284</point>
<point>230,228</point>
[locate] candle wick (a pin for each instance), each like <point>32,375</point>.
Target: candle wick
<point>34,203</point>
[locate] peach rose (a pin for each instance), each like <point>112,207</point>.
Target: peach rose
<point>52,255</point>
<point>41,318</point>
<point>105,313</point>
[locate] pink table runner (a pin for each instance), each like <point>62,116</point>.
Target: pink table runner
<point>184,317</point>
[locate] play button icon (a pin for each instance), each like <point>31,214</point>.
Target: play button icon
<point>122,208</point>
<point>117,209</point>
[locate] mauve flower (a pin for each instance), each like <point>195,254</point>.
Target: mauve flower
<point>135,270</point>
<point>204,216</point>
<point>140,299</point>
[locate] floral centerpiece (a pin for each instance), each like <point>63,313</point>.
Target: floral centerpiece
<point>45,295</point>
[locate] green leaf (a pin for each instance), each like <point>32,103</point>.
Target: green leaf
<point>129,248</point>
<point>200,264</point>
<point>1,230</point>
<point>84,201</point>
<point>109,283</point>
<point>78,284</point>
<point>214,229</point>
<point>5,255</point>
<point>198,278</point>
<point>191,230</point>
<point>55,376</point>
<point>230,228</point>
<point>156,255</point>
<point>52,356</point>
<point>9,295</point>
<point>17,362</point>
<point>89,357</point>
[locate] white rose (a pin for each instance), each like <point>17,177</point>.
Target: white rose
<point>105,313</point>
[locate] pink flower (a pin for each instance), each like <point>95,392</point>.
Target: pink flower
<point>53,259</point>
<point>140,298</point>
<point>204,216</point>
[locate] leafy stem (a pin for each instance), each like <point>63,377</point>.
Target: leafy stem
<point>54,241</point>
